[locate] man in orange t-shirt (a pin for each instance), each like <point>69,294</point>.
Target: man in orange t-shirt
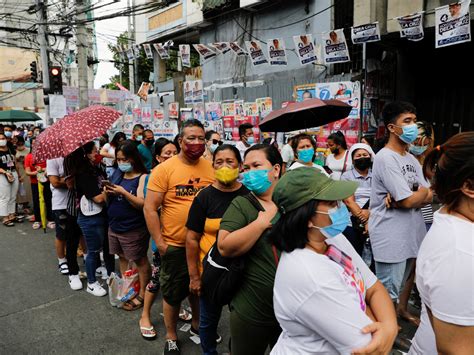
<point>173,186</point>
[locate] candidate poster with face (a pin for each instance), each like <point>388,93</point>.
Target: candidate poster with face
<point>305,49</point>
<point>188,92</point>
<point>185,54</point>
<point>365,33</point>
<point>130,54</point>
<point>173,110</point>
<point>198,93</point>
<point>276,51</point>
<point>158,114</point>
<point>136,50</point>
<point>148,52</point>
<point>228,109</point>
<point>250,109</point>
<point>264,106</point>
<point>221,47</point>
<point>162,50</point>
<point>199,112</point>
<point>204,51</point>
<point>304,92</point>
<point>239,109</point>
<point>411,27</point>
<point>453,24</point>
<point>256,53</point>
<point>335,47</point>
<point>186,114</point>
<point>236,48</point>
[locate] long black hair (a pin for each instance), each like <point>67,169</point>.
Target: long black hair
<point>159,145</point>
<point>78,162</point>
<point>290,232</point>
<point>116,139</point>
<point>130,151</point>
<point>230,147</point>
<point>339,139</point>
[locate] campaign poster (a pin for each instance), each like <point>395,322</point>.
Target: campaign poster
<point>199,112</point>
<point>188,92</point>
<point>130,54</point>
<point>277,52</point>
<point>221,47</point>
<point>198,93</point>
<point>264,106</point>
<point>228,109</point>
<point>173,110</point>
<point>411,27</point>
<point>162,51</point>
<point>256,53</point>
<point>236,48</point>
<point>365,33</point>
<point>239,109</point>
<point>335,47</point>
<point>136,50</point>
<point>137,114</point>
<point>229,126</point>
<point>453,24</point>
<point>305,49</point>
<point>186,114</point>
<point>166,129</point>
<point>127,128</point>
<point>250,109</point>
<point>143,91</point>
<point>158,114</point>
<point>213,111</point>
<point>185,54</point>
<point>216,126</point>
<point>204,51</point>
<point>304,92</point>
<point>146,114</point>
<point>148,52</point>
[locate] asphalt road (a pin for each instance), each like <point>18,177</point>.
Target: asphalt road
<point>40,314</point>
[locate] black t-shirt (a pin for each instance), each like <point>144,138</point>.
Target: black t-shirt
<point>89,183</point>
<point>7,160</point>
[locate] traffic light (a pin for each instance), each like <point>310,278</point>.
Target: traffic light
<point>34,71</point>
<point>56,80</point>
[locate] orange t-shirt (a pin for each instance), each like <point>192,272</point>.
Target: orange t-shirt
<point>180,183</point>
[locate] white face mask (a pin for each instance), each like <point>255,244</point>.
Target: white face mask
<point>3,142</point>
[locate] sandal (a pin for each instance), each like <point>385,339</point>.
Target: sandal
<point>185,316</point>
<point>410,318</point>
<point>36,225</point>
<point>148,333</point>
<point>130,305</point>
<point>63,268</point>
<point>8,223</point>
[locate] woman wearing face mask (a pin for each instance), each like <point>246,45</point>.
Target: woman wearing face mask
<point>8,183</point>
<point>326,299</point>
<point>304,147</point>
<point>253,326</point>
<point>339,160</point>
<point>164,149</point>
<point>203,224</point>
<point>128,235</point>
<point>213,140</point>
<point>108,152</point>
<point>358,204</point>
<point>82,166</point>
<point>24,196</point>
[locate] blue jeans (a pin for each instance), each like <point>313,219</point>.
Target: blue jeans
<point>208,321</point>
<point>393,276</point>
<point>94,228</point>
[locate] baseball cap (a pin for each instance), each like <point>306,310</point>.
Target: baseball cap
<point>304,184</point>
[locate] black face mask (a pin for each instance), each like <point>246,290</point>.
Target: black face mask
<point>362,163</point>
<point>149,143</point>
<point>335,151</point>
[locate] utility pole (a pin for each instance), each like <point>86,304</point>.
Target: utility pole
<point>131,65</point>
<point>44,54</point>
<point>82,47</point>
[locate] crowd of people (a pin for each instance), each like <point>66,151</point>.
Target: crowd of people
<point>322,257</point>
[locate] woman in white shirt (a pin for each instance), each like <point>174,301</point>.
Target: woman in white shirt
<point>325,298</point>
<point>444,268</point>
<point>339,160</point>
<point>304,148</point>
<point>108,152</point>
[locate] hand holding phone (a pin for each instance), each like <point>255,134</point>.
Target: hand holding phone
<point>106,183</point>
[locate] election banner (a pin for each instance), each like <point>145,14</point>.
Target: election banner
<point>277,52</point>
<point>213,111</point>
<point>236,48</point>
<point>185,54</point>
<point>146,114</point>
<point>453,24</point>
<point>166,129</point>
<point>173,110</point>
<point>158,114</point>
<point>204,51</point>
<point>305,49</point>
<point>136,50</point>
<point>162,51</point>
<point>264,106</point>
<point>130,54</point>
<point>217,126</point>
<point>198,93</point>
<point>239,109</point>
<point>305,92</point>
<point>411,27</point>
<point>365,33</point>
<point>256,53</point>
<point>221,47</point>
<point>335,47</point>
<point>148,52</point>
<point>228,110</point>
<point>186,113</point>
<point>188,92</point>
<point>199,112</point>
<point>250,109</point>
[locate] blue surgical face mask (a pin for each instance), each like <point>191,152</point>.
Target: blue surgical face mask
<point>139,138</point>
<point>340,219</point>
<point>257,181</point>
<point>8,134</point>
<point>213,148</point>
<point>306,155</point>
<point>125,167</point>
<point>27,144</point>
<point>417,150</point>
<point>410,133</point>
<point>250,140</point>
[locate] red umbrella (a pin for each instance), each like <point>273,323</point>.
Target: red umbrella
<point>73,131</point>
<point>305,114</point>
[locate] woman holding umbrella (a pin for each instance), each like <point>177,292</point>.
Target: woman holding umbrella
<point>8,183</point>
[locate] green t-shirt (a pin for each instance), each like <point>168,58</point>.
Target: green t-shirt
<point>253,302</point>
<point>146,155</point>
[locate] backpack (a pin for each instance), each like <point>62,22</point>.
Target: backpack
<point>222,276</point>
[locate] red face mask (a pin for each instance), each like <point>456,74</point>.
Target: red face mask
<point>194,151</point>
<point>98,159</point>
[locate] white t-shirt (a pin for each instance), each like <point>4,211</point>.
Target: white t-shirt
<point>111,150</point>
<point>287,155</point>
<point>297,164</point>
<point>320,307</point>
<point>444,277</point>
<point>55,167</point>
<point>337,165</point>
<point>242,148</point>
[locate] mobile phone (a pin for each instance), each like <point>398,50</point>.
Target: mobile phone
<point>328,169</point>
<point>106,183</point>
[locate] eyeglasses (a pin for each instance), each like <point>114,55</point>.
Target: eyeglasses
<point>215,141</point>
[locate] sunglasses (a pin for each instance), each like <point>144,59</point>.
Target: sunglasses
<point>215,141</point>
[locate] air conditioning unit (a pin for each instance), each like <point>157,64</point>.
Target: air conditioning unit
<point>251,3</point>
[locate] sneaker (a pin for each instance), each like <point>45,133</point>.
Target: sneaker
<point>36,225</point>
<point>171,347</point>
<point>102,272</point>
<point>195,332</point>
<point>96,289</point>
<point>63,268</point>
<point>75,282</point>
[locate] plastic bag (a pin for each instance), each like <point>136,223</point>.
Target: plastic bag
<point>130,285</point>
<point>22,190</point>
<point>115,286</point>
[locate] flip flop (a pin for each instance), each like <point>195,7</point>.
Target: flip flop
<point>411,319</point>
<point>130,305</point>
<point>185,316</point>
<point>148,333</point>
<point>8,223</point>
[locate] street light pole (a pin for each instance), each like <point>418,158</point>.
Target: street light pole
<point>44,55</point>
<point>82,47</point>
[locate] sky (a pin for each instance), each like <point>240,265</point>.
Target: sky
<point>106,30</point>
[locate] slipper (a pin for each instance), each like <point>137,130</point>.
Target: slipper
<point>411,319</point>
<point>8,223</point>
<point>130,305</point>
<point>185,316</point>
<point>148,333</point>
<point>36,225</point>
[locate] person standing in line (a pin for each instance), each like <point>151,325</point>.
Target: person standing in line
<point>173,186</point>
<point>339,160</point>
<point>246,138</point>
<point>8,183</point>
<point>24,197</point>
<point>163,150</point>
<point>304,148</point>
<point>288,155</point>
<point>203,224</point>
<point>213,140</point>
<point>137,134</point>
<point>446,258</point>
<point>399,190</point>
<point>145,148</point>
<point>108,152</point>
<point>68,232</point>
